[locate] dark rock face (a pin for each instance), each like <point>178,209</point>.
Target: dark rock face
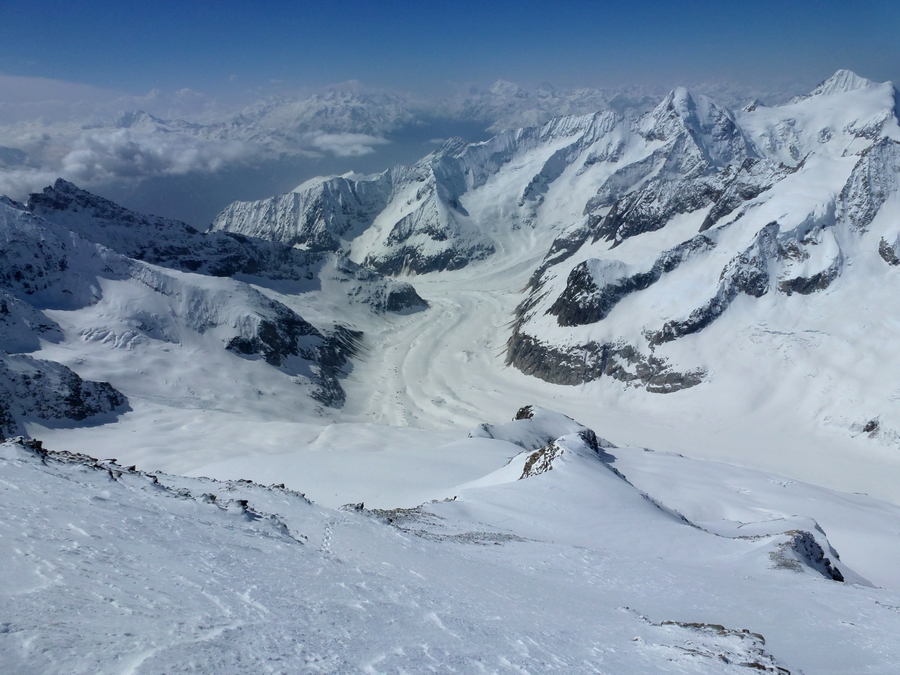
<point>875,177</point>
<point>164,242</point>
<point>652,207</point>
<point>591,361</point>
<point>404,297</point>
<point>22,327</point>
<point>35,389</point>
<point>747,273</point>
<point>276,340</point>
<point>584,302</point>
<point>810,552</point>
<point>414,259</point>
<point>281,336</point>
<point>754,177</point>
<point>811,284</point>
<point>890,253</point>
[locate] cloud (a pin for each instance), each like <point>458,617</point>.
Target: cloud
<point>18,183</point>
<point>346,145</point>
<point>121,153</point>
<point>99,156</point>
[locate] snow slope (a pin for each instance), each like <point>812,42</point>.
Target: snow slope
<point>569,570</point>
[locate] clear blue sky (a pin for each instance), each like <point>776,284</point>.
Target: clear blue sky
<point>228,45</point>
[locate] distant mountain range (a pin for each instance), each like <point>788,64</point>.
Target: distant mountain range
<point>662,249</point>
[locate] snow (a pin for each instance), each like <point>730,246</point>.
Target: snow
<point>604,557</point>
<point>572,570</point>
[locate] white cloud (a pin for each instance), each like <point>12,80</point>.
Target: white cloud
<point>346,145</point>
<point>120,153</point>
<point>98,156</point>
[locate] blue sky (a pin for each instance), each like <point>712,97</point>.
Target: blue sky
<point>230,46</point>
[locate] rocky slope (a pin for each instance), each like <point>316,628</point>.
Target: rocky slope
<point>176,245</point>
<point>50,268</point>
<point>653,227</point>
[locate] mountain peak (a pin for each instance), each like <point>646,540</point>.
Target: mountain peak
<point>842,81</point>
<point>128,119</point>
<point>504,87</point>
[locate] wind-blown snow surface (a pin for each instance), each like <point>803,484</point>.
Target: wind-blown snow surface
<point>702,281</point>
<point>571,569</point>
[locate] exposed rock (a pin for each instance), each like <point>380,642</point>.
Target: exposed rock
<point>754,177</point>
<point>43,390</point>
<point>22,327</point>
<point>890,253</point>
<point>533,428</point>
<point>287,341</point>
<point>589,295</point>
<point>746,273</point>
<point>803,549</point>
<point>811,284</point>
<point>173,244</point>
<point>874,179</point>
<point>540,461</point>
<point>588,362</point>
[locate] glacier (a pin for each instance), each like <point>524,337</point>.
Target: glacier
<point>686,308</point>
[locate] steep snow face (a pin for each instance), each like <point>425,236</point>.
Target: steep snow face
<point>711,129</point>
<point>839,83</point>
<point>843,116</point>
<point>316,217</point>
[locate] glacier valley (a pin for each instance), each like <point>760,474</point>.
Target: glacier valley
<point>615,393</point>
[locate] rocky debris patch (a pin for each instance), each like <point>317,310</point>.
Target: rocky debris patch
<point>422,522</point>
<point>540,461</point>
<point>590,361</point>
<point>802,549</point>
<point>242,499</point>
<point>726,649</point>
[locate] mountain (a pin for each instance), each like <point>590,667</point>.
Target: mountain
<point>173,244</point>
<point>101,270</point>
<point>663,238</point>
<point>305,404</point>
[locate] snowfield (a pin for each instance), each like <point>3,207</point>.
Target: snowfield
<point>614,394</point>
<point>569,570</point>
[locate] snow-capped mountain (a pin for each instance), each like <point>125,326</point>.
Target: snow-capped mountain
<point>71,252</point>
<point>690,277</point>
<point>663,238</point>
